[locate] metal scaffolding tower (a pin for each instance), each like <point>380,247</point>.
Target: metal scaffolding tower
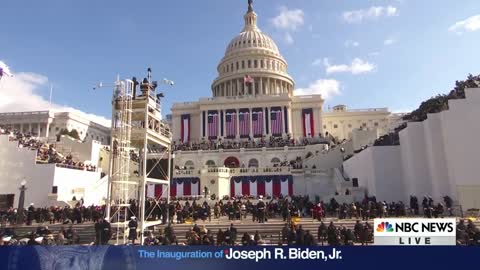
<point>137,131</point>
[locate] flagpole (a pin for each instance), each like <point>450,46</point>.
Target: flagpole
<point>51,90</point>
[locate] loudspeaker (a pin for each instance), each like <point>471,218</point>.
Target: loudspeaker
<point>355,182</point>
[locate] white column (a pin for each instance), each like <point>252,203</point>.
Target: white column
<point>250,122</point>
<point>206,125</point>
<point>269,121</point>
<point>38,130</point>
<point>47,129</point>
<point>283,122</point>
<point>269,88</point>
<point>238,124</point>
<point>264,122</point>
<point>224,124</point>
<point>261,85</point>
<point>219,124</point>
<point>201,125</point>
<point>290,120</point>
<point>238,87</point>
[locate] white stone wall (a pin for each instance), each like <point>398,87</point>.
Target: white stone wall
<point>17,164</point>
<point>319,184</point>
<point>377,169</point>
<point>360,138</point>
<point>414,160</point>
<point>436,157</point>
<point>87,151</point>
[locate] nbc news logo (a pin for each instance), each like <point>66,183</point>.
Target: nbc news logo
<point>414,231</point>
<point>384,227</point>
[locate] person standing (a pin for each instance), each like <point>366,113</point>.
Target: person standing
<point>261,210</point>
<point>322,232</point>
<point>233,234</point>
<point>98,232</point>
<point>106,233</point>
<point>132,229</point>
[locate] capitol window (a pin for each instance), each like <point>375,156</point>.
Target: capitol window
<point>376,124</point>
<point>335,126</point>
<point>249,64</point>
<point>237,65</point>
<point>255,64</point>
<point>210,163</point>
<point>243,64</point>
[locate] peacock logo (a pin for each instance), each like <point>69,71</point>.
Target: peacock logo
<point>384,227</point>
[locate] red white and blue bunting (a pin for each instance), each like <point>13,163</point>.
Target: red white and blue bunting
<point>155,191</point>
<point>308,123</point>
<point>185,128</point>
<point>275,185</point>
<point>184,187</point>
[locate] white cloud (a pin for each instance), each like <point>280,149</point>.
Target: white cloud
<point>389,41</point>
<point>289,19</point>
<point>288,38</point>
<point>374,54</point>
<point>357,16</point>
<point>325,87</point>
<point>470,24</point>
<point>358,66</point>
<point>317,62</point>
<point>351,43</point>
<point>19,93</point>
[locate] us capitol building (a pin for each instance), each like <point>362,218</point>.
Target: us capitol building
<point>223,142</point>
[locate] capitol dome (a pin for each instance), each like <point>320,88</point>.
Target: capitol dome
<point>252,64</point>
<point>252,39</point>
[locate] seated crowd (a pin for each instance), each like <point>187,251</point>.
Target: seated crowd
<point>289,209</point>
<point>46,153</point>
<point>272,141</point>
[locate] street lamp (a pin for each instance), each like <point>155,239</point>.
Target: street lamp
<point>21,201</point>
<point>170,177</point>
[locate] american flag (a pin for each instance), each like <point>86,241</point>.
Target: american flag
<point>257,123</point>
<point>244,121</point>
<point>231,120</point>
<point>276,120</point>
<point>248,79</point>
<point>4,71</point>
<point>213,125</point>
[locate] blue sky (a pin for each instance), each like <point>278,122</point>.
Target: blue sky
<point>363,53</point>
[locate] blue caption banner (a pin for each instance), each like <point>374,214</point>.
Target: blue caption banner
<point>235,258</point>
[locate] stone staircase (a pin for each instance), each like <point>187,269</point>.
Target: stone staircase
<point>270,231</point>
